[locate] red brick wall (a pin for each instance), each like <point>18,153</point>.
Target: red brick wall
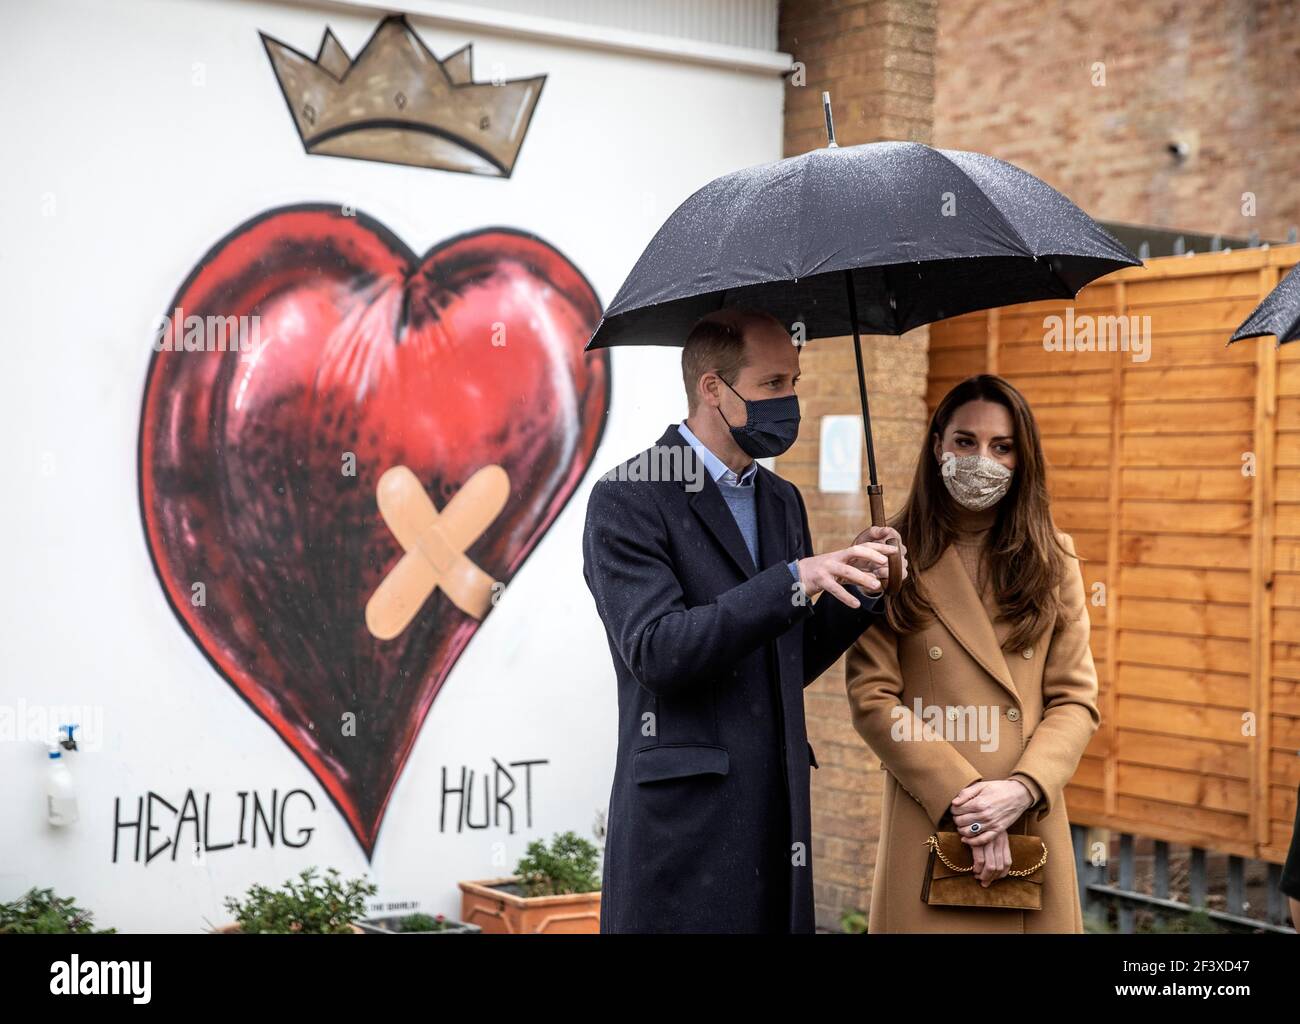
<point>1015,79</point>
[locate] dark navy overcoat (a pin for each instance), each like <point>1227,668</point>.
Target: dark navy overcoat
<point>709,825</point>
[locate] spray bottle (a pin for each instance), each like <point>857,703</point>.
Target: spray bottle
<point>61,799</point>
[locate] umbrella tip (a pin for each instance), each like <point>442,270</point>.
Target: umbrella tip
<point>830,122</point>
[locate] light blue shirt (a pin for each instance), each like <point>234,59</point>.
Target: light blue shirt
<point>737,491</point>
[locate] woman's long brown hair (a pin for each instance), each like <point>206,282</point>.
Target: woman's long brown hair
<point>1026,562</point>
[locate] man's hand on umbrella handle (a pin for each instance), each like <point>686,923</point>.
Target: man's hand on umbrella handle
<point>857,564</point>
<point>886,535</point>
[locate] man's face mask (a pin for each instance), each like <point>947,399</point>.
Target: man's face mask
<point>975,482</point>
<point>771,425</point>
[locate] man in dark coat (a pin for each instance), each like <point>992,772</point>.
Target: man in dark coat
<point>701,565</point>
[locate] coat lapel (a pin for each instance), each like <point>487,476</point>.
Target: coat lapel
<point>780,540</point>
<point>773,526</point>
<point>709,504</point>
<point>774,534</point>
<point>957,605</point>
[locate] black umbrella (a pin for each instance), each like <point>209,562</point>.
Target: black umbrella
<point>1278,314</point>
<point>881,238</point>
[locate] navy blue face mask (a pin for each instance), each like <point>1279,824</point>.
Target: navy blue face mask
<point>771,425</point>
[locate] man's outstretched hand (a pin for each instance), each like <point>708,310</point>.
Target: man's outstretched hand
<point>861,564</point>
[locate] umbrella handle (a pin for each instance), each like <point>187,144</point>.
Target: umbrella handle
<point>876,496</point>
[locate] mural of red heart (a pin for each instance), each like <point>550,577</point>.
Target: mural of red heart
<point>469,357</point>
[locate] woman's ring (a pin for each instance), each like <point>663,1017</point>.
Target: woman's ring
<point>975,827</point>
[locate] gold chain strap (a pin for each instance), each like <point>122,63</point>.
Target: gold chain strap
<point>933,843</point>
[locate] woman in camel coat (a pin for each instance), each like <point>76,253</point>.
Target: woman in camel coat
<point>1016,691</point>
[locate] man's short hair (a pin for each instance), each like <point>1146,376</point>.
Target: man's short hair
<point>717,344</point>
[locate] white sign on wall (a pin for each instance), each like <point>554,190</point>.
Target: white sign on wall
<point>840,462</point>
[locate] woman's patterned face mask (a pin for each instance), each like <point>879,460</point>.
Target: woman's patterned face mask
<point>975,482</point>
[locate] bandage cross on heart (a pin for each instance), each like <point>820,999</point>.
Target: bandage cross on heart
<point>434,544</point>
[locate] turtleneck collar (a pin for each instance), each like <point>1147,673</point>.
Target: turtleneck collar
<point>973,525</point>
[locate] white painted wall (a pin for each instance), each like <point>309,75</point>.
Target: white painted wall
<point>120,171</point>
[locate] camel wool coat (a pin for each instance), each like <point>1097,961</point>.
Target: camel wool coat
<point>1043,699</point>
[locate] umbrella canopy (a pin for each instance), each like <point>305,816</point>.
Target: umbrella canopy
<point>926,233</point>
<point>1278,314</point>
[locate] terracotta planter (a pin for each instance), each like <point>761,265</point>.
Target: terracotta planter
<point>233,929</point>
<point>496,906</point>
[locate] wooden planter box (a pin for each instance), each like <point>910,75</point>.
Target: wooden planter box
<point>387,925</point>
<point>496,906</point>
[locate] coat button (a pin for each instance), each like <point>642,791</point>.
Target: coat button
<point>936,653</point>
<point>1028,652</point>
<point>1013,715</point>
<point>953,714</point>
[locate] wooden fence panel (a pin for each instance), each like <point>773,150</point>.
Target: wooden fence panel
<point>1175,464</point>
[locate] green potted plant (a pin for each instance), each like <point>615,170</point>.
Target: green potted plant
<point>853,922</point>
<point>554,889</point>
<point>416,924</point>
<point>310,907</point>
<point>40,912</point>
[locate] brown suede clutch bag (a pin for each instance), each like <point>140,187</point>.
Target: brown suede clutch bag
<point>950,880</point>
